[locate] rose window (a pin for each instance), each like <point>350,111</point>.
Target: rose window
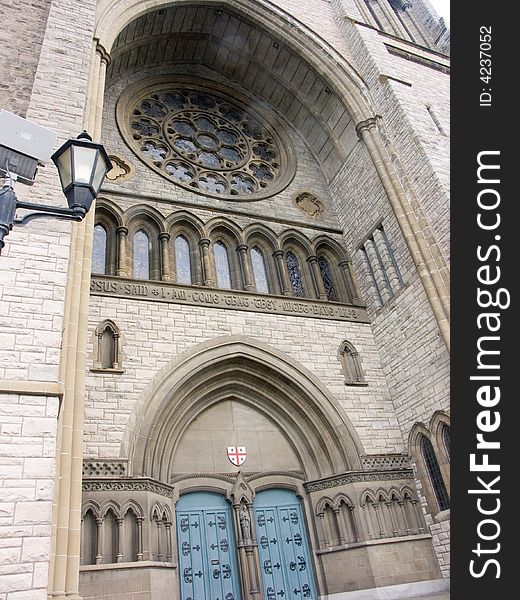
<point>209,144</point>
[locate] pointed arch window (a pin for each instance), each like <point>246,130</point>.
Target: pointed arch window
<point>259,270</point>
<point>142,247</point>
<point>434,473</point>
<point>446,439</point>
<point>328,281</point>
<point>295,274</point>
<point>99,250</point>
<point>183,260</point>
<point>222,266</point>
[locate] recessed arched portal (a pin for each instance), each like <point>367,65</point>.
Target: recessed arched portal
<point>256,377</point>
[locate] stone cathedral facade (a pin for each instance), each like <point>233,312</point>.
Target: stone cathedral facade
<point>230,382</point>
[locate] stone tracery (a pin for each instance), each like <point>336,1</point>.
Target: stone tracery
<point>204,141</point>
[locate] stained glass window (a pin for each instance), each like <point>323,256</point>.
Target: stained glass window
<point>434,472</point>
<point>229,151</point>
<point>446,439</point>
<point>328,281</point>
<point>222,266</point>
<point>259,271</point>
<point>99,250</point>
<point>182,260</point>
<point>295,274</point>
<point>141,255</point>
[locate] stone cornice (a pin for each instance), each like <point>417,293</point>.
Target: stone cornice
<point>137,484</point>
<point>31,388</point>
<point>357,477</point>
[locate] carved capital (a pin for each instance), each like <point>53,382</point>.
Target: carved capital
<point>364,126</point>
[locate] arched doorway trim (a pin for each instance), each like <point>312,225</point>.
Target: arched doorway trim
<point>249,371</point>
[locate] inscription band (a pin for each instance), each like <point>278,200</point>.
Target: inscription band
<point>233,300</point>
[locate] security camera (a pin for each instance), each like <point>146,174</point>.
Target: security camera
<point>23,145</point>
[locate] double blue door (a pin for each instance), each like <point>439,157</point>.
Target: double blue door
<point>283,546</point>
<point>207,552</point>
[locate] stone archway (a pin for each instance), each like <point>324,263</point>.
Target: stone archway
<point>243,370</point>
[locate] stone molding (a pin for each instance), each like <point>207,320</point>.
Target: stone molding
<point>31,388</point>
<point>160,291</point>
<point>121,170</point>
<point>384,462</point>
<point>357,477</point>
<point>140,484</point>
<point>105,468</point>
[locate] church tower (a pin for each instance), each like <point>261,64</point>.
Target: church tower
<point>231,380</point>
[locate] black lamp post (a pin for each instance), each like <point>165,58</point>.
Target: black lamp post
<point>82,166</point>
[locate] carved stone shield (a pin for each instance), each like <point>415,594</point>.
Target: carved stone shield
<point>237,455</point>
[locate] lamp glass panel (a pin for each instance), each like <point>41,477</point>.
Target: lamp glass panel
<point>63,163</point>
<point>101,170</point>
<point>84,159</point>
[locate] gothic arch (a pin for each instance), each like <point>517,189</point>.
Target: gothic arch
<point>185,219</point>
<point>114,16</point>
<point>144,213</point>
<point>225,226</point>
<point>108,213</point>
<point>255,374</point>
<point>323,504</point>
<point>259,231</point>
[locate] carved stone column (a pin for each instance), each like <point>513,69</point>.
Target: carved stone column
<point>379,525</point>
<point>122,234</point>
<point>247,551</point>
<point>167,528</point>
<point>207,268</point>
<point>390,265</point>
<point>120,540</point>
<point>283,277</point>
<point>322,531</point>
<point>247,276</point>
<point>116,364</point>
<point>349,281</point>
<point>393,517</point>
<point>357,526</point>
<point>407,527</point>
<point>160,541</point>
<point>340,526</point>
<point>139,521</point>
<point>319,287</point>
<point>374,259</point>
<point>164,240</point>
<point>99,541</point>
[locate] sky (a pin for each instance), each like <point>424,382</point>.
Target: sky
<point>443,8</point>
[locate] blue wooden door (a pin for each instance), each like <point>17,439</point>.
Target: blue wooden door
<point>285,560</point>
<point>207,561</point>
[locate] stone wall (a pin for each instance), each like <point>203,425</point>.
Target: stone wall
<point>46,73</point>
<point>20,45</point>
<point>27,464</point>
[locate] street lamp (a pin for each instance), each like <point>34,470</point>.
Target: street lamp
<point>82,166</point>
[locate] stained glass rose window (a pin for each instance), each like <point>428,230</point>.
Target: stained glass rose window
<point>208,143</point>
